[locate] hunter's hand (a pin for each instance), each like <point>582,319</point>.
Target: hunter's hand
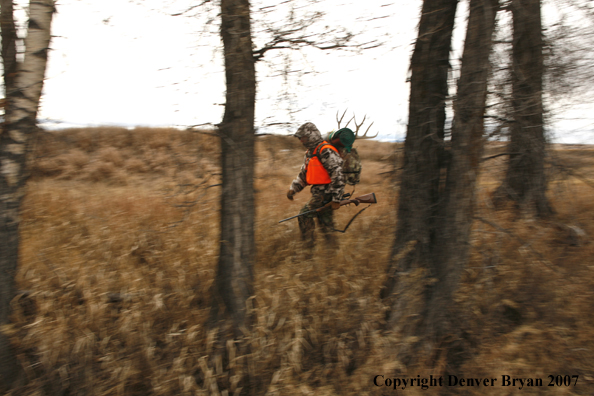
<point>335,205</point>
<point>290,194</point>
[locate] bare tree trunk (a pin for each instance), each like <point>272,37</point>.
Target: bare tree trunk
<point>453,234</point>
<point>9,37</point>
<point>424,280</point>
<point>15,140</point>
<point>234,279</point>
<point>424,144</point>
<point>423,161</point>
<point>525,181</point>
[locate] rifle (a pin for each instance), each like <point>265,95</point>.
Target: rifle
<point>366,199</point>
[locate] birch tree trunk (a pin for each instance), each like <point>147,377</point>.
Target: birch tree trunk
<point>15,141</point>
<point>525,181</point>
<point>234,278</point>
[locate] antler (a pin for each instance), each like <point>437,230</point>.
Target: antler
<point>358,126</point>
<point>339,121</point>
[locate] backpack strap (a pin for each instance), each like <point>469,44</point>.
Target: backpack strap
<point>322,146</point>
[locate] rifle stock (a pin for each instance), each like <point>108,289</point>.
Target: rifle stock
<point>367,198</point>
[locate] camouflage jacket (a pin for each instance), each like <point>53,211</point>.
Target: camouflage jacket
<point>331,161</point>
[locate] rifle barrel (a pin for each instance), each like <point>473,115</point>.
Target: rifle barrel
<point>300,214</point>
<point>367,198</point>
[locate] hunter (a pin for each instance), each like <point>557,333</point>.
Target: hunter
<point>322,170</point>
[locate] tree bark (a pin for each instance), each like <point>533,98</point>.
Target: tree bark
<point>234,278</point>
<point>525,182</point>
<point>423,162</point>
<point>453,234</point>
<point>15,140</point>
<point>424,143</point>
<point>9,38</point>
<point>423,281</point>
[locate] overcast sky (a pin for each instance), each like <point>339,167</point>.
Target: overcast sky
<point>131,63</point>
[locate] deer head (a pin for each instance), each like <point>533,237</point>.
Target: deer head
<point>357,126</point>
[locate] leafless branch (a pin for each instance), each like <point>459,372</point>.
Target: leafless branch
<point>295,35</point>
<point>191,8</point>
<point>494,156</point>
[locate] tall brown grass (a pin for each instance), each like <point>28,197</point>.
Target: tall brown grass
<point>118,256</point>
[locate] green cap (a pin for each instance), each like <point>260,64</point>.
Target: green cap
<point>346,136</point>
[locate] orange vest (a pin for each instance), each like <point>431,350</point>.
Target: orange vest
<point>315,171</point>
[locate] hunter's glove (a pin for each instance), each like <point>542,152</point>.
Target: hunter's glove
<point>290,194</point>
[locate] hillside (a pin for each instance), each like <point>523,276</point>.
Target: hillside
<point>118,255</point>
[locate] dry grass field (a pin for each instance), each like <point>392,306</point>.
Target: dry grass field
<point>118,255</point>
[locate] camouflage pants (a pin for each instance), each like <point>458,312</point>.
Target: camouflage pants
<point>307,223</point>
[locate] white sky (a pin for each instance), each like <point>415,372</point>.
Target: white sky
<point>124,62</point>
